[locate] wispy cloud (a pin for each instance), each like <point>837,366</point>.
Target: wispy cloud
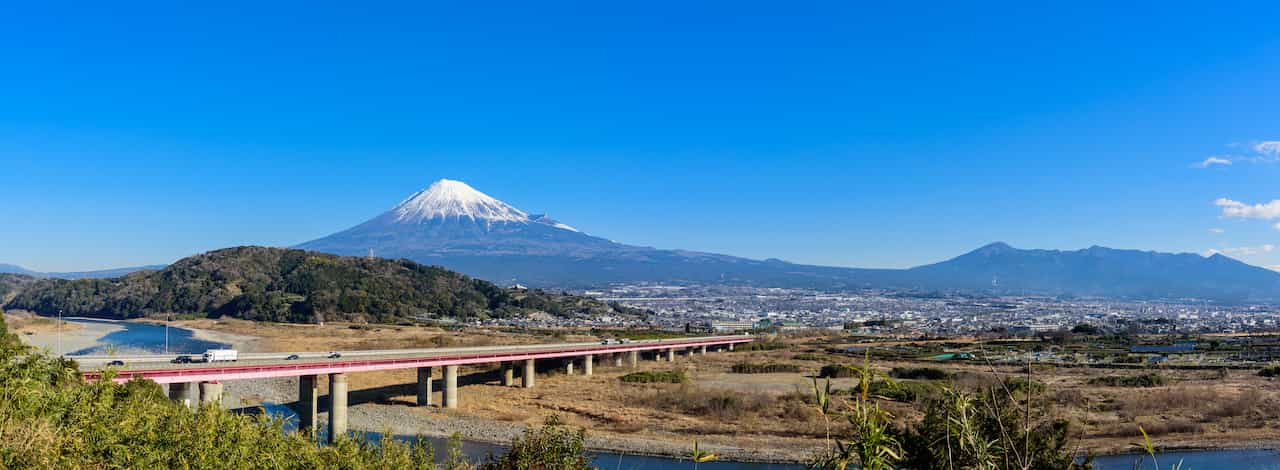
<point>1276,226</point>
<point>1211,161</point>
<point>1242,250</point>
<point>1266,151</point>
<point>1218,231</point>
<point>1239,210</point>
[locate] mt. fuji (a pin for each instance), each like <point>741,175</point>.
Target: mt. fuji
<point>451,224</point>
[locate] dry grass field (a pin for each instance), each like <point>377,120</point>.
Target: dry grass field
<point>1192,408</point>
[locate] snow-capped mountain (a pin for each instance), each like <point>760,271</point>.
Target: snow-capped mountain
<point>451,224</point>
<point>449,199</point>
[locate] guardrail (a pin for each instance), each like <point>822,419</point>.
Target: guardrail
<point>219,372</point>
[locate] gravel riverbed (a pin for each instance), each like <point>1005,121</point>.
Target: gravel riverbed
<point>404,420</point>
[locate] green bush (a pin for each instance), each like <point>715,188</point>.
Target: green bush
<point>549,447</point>
<point>762,346</point>
<point>835,371</point>
<point>669,376</point>
<point>920,373</point>
<point>1144,380</point>
<point>755,368</point>
<point>808,357</point>
<point>1270,371</point>
<point>901,391</point>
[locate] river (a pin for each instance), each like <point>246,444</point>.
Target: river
<point>133,337</point>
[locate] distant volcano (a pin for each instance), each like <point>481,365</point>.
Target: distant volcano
<point>453,225</point>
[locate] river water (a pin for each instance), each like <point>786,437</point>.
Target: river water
<point>151,338</point>
<point>144,338</point>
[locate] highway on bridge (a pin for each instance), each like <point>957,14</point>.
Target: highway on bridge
<point>202,381</point>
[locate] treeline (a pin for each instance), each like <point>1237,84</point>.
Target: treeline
<point>11,284</point>
<point>286,285</point>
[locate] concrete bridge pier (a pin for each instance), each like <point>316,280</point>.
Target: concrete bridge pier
<point>568,366</point>
<point>526,377</point>
<point>617,359</point>
<point>337,407</point>
<point>211,392</point>
<point>671,354</point>
<point>702,350</point>
<point>730,347</point>
<point>424,386</point>
<point>587,364</point>
<point>185,393</point>
<point>450,387</point>
<point>634,358</point>
<point>508,374</point>
<point>308,402</point>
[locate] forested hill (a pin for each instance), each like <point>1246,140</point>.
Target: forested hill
<point>278,284</point>
<point>11,284</point>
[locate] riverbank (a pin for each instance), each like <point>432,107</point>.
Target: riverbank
<point>46,333</point>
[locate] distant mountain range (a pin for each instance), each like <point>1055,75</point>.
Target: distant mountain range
<point>101,274</point>
<point>453,225</point>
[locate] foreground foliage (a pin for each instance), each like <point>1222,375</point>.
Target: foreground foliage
<point>995,427</point>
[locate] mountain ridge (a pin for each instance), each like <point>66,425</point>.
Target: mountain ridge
<point>279,284</point>
<point>455,226</point>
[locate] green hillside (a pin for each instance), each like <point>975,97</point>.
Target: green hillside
<point>277,284</point>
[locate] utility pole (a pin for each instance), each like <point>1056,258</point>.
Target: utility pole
<point>59,332</point>
<point>166,332</point>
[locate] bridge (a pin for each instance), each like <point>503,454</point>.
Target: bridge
<point>189,383</point>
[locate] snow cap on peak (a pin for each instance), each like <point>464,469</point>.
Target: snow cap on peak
<point>455,199</point>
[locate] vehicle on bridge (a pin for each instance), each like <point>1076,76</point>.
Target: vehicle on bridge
<point>184,359</point>
<point>221,355</point>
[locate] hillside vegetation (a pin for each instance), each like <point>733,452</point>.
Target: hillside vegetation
<point>277,284</point>
<point>11,284</point>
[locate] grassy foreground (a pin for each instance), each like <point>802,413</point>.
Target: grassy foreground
<point>51,418</point>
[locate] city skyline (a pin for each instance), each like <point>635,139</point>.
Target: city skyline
<point>846,136</point>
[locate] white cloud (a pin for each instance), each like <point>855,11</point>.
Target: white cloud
<point>1236,209</point>
<point>1218,231</point>
<point>1242,250</point>
<point>1269,148</point>
<point>1273,267</point>
<point>1276,226</point>
<point>1266,151</point>
<point>1211,161</point>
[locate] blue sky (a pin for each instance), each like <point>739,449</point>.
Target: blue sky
<point>827,133</point>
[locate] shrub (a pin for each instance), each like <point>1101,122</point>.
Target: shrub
<point>1142,381</point>
<point>548,447</point>
<point>901,391</point>
<point>808,357</point>
<point>668,376</point>
<point>1270,371</point>
<point>762,346</point>
<point>755,368</point>
<point>832,371</point>
<point>919,373</point>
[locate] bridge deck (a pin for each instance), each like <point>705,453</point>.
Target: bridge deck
<point>258,366</point>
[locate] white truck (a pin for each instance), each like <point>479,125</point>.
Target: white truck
<point>221,355</point>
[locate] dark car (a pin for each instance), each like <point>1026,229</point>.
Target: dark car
<point>334,355</point>
<point>182,360</point>
<point>292,357</point>
<point>115,363</point>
